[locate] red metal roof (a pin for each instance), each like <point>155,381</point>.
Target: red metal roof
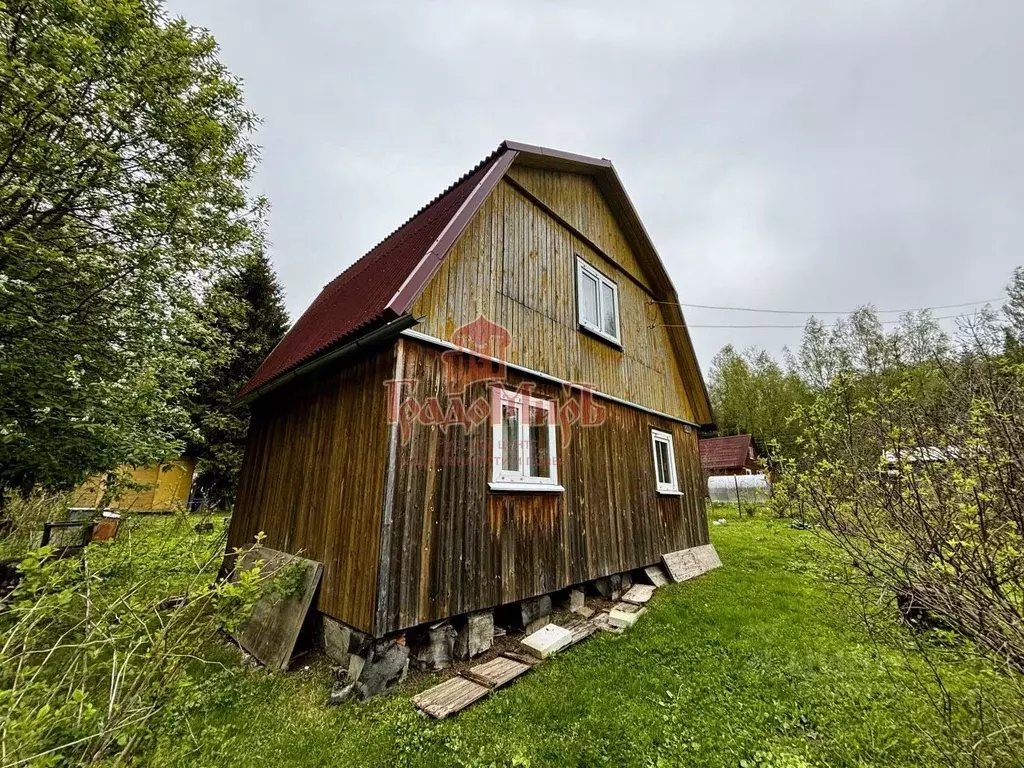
<point>724,452</point>
<point>360,297</point>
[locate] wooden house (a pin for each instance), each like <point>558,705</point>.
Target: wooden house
<point>732,455</point>
<point>498,401</point>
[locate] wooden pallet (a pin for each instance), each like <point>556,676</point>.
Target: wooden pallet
<point>457,693</point>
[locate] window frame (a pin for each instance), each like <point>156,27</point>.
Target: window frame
<point>520,480</point>
<point>670,488</point>
<point>585,268</point>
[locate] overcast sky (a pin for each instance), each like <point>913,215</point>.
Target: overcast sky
<point>787,154</point>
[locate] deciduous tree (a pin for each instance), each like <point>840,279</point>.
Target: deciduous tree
<point>125,153</point>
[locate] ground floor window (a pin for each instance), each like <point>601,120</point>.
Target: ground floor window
<point>664,462</point>
<point>525,453</point>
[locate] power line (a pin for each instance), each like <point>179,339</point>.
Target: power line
<point>824,312</point>
<point>883,322</point>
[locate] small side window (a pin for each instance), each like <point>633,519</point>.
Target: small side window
<point>598,301</point>
<point>664,462</point>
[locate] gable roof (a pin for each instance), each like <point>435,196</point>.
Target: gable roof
<point>381,286</point>
<point>724,452</point>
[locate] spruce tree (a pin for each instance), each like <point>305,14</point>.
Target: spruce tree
<point>243,320</point>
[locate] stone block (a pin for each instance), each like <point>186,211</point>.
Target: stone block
<point>546,641</point>
<point>627,582</point>
<point>385,666</point>
<point>435,647</point>
<point>534,608</point>
<point>475,635</point>
<point>603,587</point>
<point>586,611</point>
<point>625,615</point>
<point>575,601</point>
<point>638,594</point>
<point>336,640</point>
<point>355,667</point>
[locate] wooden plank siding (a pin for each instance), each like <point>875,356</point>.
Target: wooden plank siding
<point>515,265</point>
<point>313,479</point>
<point>456,547</point>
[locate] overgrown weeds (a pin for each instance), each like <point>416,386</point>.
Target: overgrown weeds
<point>95,645</point>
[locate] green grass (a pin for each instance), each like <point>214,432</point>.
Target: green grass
<point>756,664</point>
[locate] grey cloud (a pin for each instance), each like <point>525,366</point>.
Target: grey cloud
<point>789,154</point>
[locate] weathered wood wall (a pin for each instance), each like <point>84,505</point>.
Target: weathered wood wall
<point>455,547</point>
<point>515,265</point>
<point>313,479</point>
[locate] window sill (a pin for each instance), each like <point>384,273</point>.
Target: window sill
<point>670,493</point>
<point>526,487</point>
<point>601,337</point>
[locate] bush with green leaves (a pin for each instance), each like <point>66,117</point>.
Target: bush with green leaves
<point>96,645</point>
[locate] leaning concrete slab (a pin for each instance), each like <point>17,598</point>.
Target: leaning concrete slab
<point>690,563</point>
<point>546,641</point>
<point>656,575</point>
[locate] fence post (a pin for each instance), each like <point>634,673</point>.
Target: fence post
<point>739,504</point>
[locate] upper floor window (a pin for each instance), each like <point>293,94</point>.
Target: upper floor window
<point>598,301</point>
<point>524,449</point>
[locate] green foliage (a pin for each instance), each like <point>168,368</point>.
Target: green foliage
<point>93,649</point>
<point>242,320</point>
<point>754,662</point>
<point>125,152</point>
<point>751,393</point>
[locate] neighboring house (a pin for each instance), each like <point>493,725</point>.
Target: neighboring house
<point>498,401</point>
<point>733,455</point>
<point>160,488</point>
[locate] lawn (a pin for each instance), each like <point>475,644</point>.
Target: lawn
<point>760,663</point>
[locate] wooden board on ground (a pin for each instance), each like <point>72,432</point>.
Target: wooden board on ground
<point>270,632</point>
<point>638,594</point>
<point>451,696</point>
<point>689,563</point>
<point>498,671</point>
<point>522,658</point>
<point>581,629</point>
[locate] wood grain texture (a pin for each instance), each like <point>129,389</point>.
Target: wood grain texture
<point>313,479</point>
<point>457,547</point>
<point>516,265</point>
<point>271,630</point>
<point>449,697</point>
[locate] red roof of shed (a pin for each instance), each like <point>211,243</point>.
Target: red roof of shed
<point>724,452</point>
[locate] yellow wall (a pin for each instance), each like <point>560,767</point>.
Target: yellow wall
<point>515,265</point>
<point>168,486</point>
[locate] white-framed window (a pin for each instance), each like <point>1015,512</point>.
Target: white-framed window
<point>524,449</point>
<point>664,463</point>
<point>597,301</point>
